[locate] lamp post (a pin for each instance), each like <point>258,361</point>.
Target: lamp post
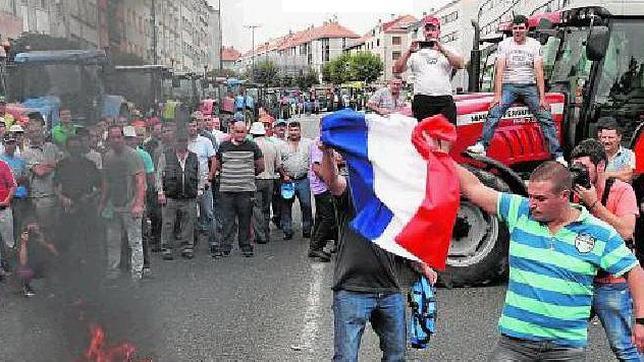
<point>252,56</point>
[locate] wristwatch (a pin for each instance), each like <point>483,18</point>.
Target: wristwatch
<point>639,321</point>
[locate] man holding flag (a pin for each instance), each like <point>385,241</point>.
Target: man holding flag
<point>387,210</point>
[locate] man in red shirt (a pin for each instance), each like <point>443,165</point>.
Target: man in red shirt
<point>614,202</point>
<point>7,189</point>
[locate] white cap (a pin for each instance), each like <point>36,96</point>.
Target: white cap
<point>257,128</point>
<point>129,131</point>
<point>16,128</point>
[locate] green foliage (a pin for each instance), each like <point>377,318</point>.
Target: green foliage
<point>266,72</point>
<point>36,41</point>
<point>305,80</point>
<point>362,66</point>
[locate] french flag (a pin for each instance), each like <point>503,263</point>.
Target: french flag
<point>406,195</point>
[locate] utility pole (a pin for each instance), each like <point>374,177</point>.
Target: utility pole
<point>221,39</point>
<point>153,21</point>
<point>252,59</point>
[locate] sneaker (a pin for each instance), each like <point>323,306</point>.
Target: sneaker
<point>146,273</point>
<point>562,161</point>
<point>187,254</point>
<point>28,291</point>
<point>477,148</point>
<point>324,257</point>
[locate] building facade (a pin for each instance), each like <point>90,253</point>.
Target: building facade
<point>186,34</point>
<point>387,40</point>
<point>297,51</point>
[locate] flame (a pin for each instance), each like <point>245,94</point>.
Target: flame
<point>100,351</point>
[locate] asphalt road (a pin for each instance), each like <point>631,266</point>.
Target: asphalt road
<point>273,307</point>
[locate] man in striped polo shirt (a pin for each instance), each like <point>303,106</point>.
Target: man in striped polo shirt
<point>238,162</point>
<point>556,249</point>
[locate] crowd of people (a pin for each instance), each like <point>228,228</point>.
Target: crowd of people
<point>131,189</point>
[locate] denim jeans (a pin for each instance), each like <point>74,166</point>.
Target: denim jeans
<point>514,349</point>
<point>303,193</point>
<point>206,217</point>
<point>528,93</point>
<point>122,221</point>
<point>187,210</point>
<point>262,210</point>
<point>385,311</point>
<point>614,307</point>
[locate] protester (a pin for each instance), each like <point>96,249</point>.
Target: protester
<point>18,202</point>
<point>621,160</point>
<point>367,281</point>
<point>614,202</point>
<point>178,179</point>
<point>264,183</point>
<point>238,162</point>
<point>214,126</point>
<point>64,129</point>
<point>432,65</point>
<point>18,132</point>
<point>41,159</point>
<point>36,255</point>
<point>88,139</point>
<point>122,203</point>
<point>134,137</point>
<point>556,248</point>
<point>279,139</point>
<point>4,115</point>
<point>8,187</point>
<point>388,99</point>
<point>519,74</point>
<point>325,226</point>
<point>294,171</point>
<point>205,152</point>
<point>78,182</point>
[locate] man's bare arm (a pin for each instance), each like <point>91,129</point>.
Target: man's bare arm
<point>472,188</point>
<point>625,174</point>
<point>336,183</point>
<point>635,278</point>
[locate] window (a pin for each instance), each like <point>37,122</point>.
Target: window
<point>325,49</point>
<point>453,16</point>
<point>377,42</point>
<point>449,37</point>
<point>395,40</point>
<point>395,55</point>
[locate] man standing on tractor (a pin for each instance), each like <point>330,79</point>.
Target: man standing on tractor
<point>519,74</point>
<point>432,64</point>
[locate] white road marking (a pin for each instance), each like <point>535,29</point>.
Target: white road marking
<point>312,315</point>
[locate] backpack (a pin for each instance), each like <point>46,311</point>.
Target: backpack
<point>422,323</point>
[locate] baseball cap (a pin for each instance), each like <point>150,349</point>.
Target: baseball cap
<point>129,131</point>
<point>279,122</point>
<point>16,128</point>
<point>430,19</point>
<point>257,128</point>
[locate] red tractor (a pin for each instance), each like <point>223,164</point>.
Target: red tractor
<point>594,65</point>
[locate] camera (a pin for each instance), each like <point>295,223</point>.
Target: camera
<point>426,44</point>
<point>580,175</point>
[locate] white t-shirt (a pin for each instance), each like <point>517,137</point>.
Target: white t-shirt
<point>519,60</point>
<point>204,150</point>
<point>432,73</point>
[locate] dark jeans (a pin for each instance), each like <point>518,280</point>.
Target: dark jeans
<point>303,194</point>
<point>153,210</point>
<point>276,204</point>
<point>236,206</point>
<point>325,227</point>
<point>528,93</point>
<point>514,349</point>
<point>424,106</point>
<point>262,210</point>
<point>352,311</point>
<point>216,212</point>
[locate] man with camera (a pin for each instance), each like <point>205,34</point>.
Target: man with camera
<point>614,202</point>
<point>431,64</point>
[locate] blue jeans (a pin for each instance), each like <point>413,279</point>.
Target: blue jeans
<point>303,193</point>
<point>516,350</point>
<point>528,93</point>
<point>614,307</point>
<point>206,216</point>
<point>385,311</point>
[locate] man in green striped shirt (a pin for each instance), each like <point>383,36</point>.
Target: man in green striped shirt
<point>556,249</point>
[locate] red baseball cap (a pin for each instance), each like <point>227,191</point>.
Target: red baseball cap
<point>430,19</point>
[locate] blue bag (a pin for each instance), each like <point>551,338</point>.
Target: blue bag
<point>422,323</point>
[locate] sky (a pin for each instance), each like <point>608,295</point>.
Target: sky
<point>277,17</point>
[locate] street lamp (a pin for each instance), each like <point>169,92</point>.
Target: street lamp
<point>252,67</point>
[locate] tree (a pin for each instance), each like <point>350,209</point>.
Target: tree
<point>338,70</point>
<point>266,72</point>
<point>37,41</point>
<point>366,66</point>
<point>306,79</point>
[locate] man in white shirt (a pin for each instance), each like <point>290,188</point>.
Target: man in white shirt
<point>519,74</point>
<point>432,65</point>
